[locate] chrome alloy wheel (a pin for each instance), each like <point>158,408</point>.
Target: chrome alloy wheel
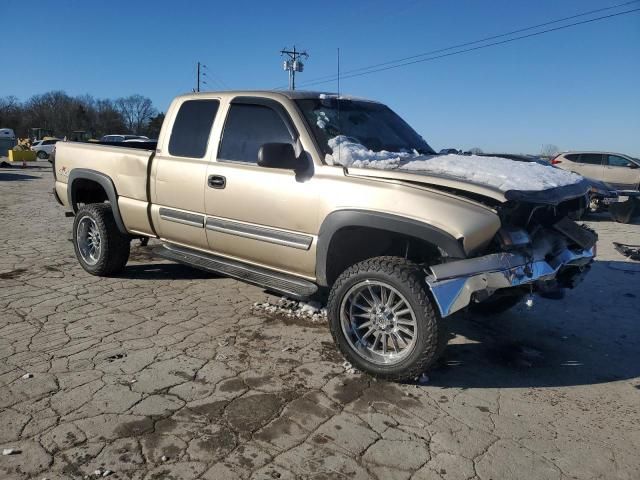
<point>88,240</point>
<point>378,322</point>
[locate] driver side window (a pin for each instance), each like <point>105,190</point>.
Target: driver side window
<point>247,128</point>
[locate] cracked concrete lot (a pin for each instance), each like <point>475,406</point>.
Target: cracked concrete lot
<point>166,373</point>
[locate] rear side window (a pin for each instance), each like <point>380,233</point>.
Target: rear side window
<point>591,158</point>
<point>191,130</point>
<point>247,128</point>
<point>573,157</point>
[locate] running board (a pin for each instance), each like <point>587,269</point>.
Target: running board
<point>289,285</point>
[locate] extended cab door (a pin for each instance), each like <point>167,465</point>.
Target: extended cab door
<point>621,173</point>
<point>265,216</point>
<point>180,170</point>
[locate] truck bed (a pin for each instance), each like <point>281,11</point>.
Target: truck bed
<point>127,167</point>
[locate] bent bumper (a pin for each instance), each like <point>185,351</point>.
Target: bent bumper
<point>454,284</point>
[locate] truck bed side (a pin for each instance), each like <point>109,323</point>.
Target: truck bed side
<point>127,169</point>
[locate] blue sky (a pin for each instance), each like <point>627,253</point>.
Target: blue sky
<point>577,88</point>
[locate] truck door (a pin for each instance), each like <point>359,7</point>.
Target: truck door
<point>265,216</point>
<point>180,169</point>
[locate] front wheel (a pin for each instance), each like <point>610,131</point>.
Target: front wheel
<point>383,320</point>
<point>42,155</point>
<point>100,247</point>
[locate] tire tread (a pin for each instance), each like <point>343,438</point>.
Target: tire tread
<point>115,245</point>
<point>408,273</point>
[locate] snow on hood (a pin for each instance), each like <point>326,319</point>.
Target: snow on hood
<point>496,172</point>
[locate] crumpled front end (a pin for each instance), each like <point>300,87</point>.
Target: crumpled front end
<point>538,256</point>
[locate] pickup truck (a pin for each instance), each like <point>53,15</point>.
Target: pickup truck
<point>315,195</point>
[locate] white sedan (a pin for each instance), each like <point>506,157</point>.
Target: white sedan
<point>44,148</point>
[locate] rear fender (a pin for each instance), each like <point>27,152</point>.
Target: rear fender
<point>105,182</point>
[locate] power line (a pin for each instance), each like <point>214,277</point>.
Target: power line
<point>395,63</point>
<point>212,76</point>
<point>482,40</point>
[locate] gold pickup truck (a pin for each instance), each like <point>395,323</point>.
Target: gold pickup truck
<point>317,195</point>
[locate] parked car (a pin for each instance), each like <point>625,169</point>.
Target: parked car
<point>447,151</point>
<point>44,147</point>
<point>618,171</point>
<point>307,195</point>
<point>615,172</point>
<point>124,138</point>
<point>7,141</point>
<point>7,133</point>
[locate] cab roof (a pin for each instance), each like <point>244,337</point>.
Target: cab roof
<point>290,94</point>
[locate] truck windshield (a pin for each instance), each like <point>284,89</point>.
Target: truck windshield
<point>373,125</point>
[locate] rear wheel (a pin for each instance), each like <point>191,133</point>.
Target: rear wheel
<point>100,247</point>
<point>383,320</point>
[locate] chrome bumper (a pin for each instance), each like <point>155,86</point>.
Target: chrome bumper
<point>454,284</point>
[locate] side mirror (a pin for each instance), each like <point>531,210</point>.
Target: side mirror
<point>632,165</point>
<point>277,155</point>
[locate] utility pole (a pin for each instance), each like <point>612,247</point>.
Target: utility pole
<point>198,80</point>
<point>293,64</point>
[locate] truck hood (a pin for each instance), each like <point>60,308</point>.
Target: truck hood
<point>476,190</point>
<point>497,178</point>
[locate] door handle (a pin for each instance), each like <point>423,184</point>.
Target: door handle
<point>217,181</point>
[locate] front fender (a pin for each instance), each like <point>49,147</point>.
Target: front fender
<point>382,221</point>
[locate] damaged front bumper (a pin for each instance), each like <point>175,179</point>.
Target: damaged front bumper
<point>456,284</point>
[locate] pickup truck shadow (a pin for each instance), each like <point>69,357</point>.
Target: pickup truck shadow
<point>165,271</point>
<point>591,336</point>
<point>15,177</point>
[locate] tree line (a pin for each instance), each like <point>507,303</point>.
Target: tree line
<point>62,115</point>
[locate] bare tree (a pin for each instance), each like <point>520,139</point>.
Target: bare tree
<point>108,118</point>
<point>549,150</point>
<point>154,126</point>
<point>62,115</point>
<point>475,151</point>
<point>136,112</point>
<point>11,114</point>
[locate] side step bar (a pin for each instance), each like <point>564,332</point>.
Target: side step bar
<point>289,285</point>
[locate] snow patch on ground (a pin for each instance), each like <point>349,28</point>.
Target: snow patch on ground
<point>496,172</point>
<point>311,311</point>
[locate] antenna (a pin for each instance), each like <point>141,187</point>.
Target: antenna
<point>338,73</point>
<point>338,100</point>
<point>294,64</point>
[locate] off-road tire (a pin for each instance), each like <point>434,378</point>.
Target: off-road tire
<point>497,305</point>
<point>115,246</point>
<point>42,155</point>
<point>408,278</point>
